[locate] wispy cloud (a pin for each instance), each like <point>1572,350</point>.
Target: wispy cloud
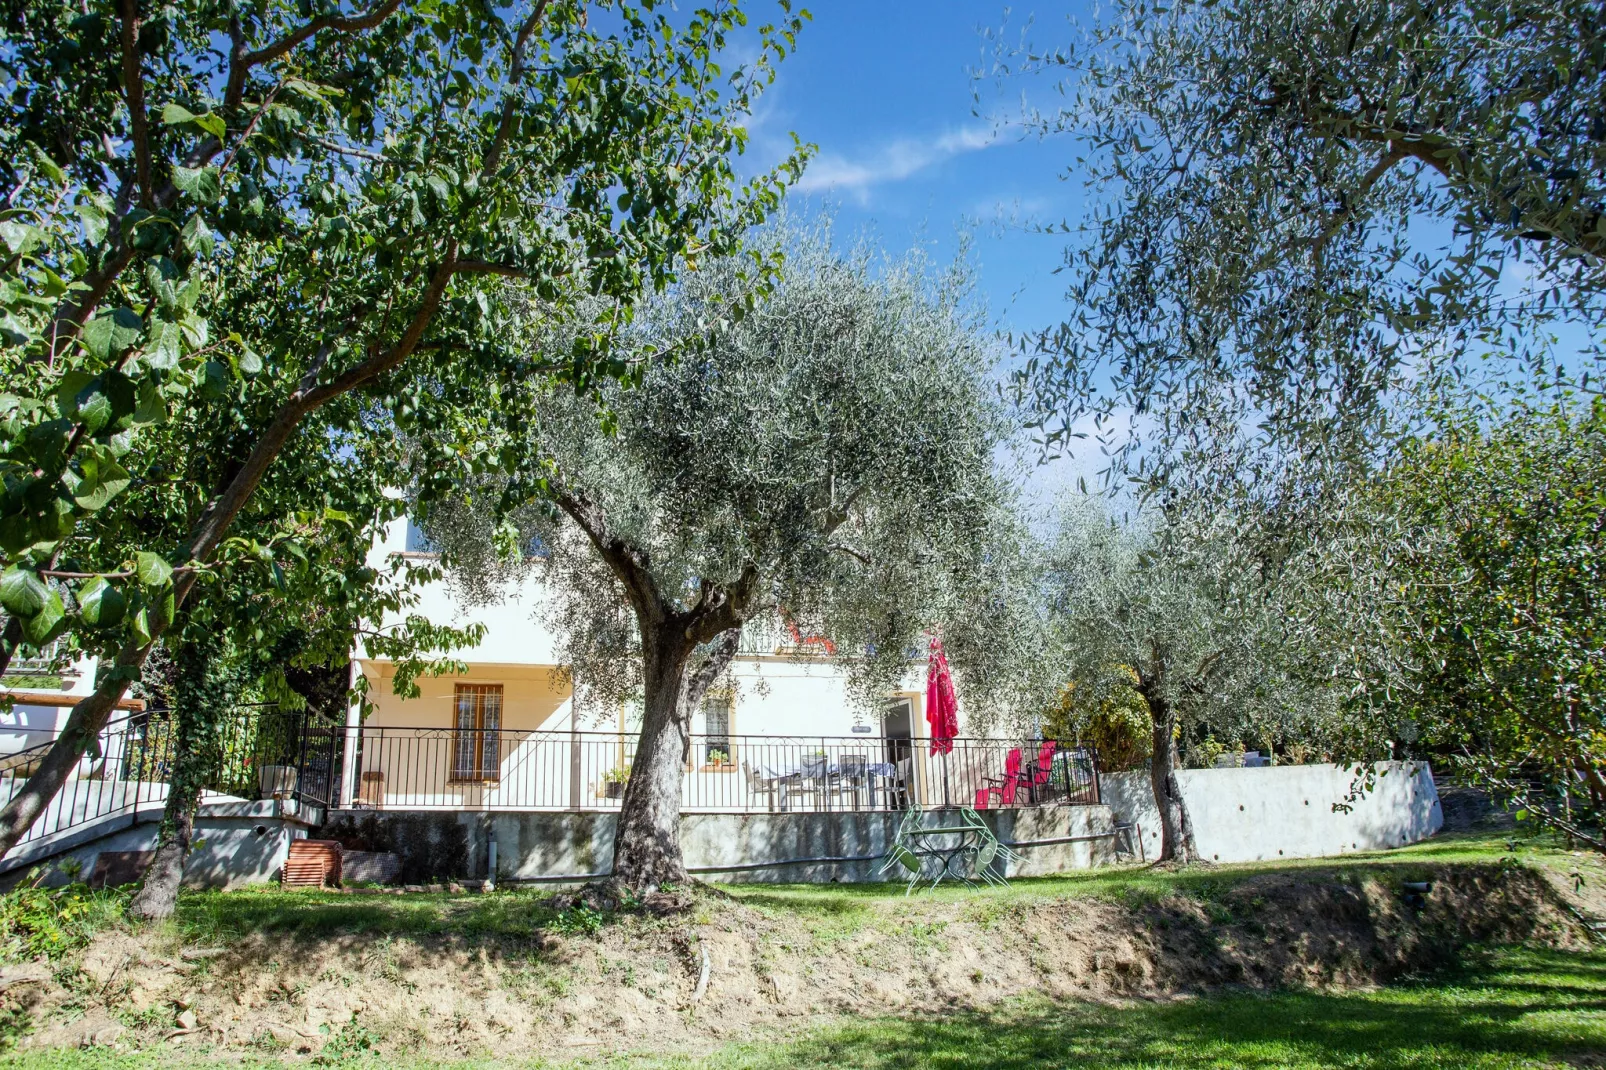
<point>893,162</point>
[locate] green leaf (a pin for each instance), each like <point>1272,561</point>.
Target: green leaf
<point>201,184</point>
<point>94,221</point>
<point>48,623</point>
<point>103,479</point>
<point>100,604</point>
<point>20,237</point>
<point>93,409</point>
<point>152,569</point>
<point>213,381</point>
<point>166,345</point>
<point>68,389</point>
<point>250,363</point>
<point>141,627</point>
<point>107,335</point>
<point>162,609</point>
<point>212,124</point>
<point>176,114</point>
<point>22,592</point>
<point>152,407</point>
<point>52,170</point>
<point>197,236</point>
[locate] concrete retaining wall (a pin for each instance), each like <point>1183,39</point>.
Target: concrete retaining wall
<point>1286,811</point>
<point>239,843</point>
<point>542,846</point>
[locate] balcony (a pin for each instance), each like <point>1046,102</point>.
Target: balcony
<point>447,769</point>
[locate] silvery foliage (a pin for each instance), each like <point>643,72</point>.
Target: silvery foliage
<point>841,439</point>
<point>1299,212</point>
<point>1181,600</point>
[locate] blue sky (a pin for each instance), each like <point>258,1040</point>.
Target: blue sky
<point>885,91</point>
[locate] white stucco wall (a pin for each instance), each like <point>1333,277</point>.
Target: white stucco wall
<point>1286,811</point>
<point>773,695</point>
<point>512,636</point>
<point>790,696</point>
<point>28,724</point>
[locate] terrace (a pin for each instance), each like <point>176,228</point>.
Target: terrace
<point>451,769</point>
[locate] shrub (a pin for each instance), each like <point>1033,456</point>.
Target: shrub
<point>38,922</point>
<point>1118,728</point>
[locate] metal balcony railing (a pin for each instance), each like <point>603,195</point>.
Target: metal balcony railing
<point>260,752</point>
<point>509,769</point>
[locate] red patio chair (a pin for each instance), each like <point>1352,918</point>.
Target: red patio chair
<point>1006,786</point>
<point>1044,770</point>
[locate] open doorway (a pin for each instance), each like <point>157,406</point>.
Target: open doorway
<point>897,732</point>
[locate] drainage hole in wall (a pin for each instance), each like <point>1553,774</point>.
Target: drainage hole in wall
<point>260,830</point>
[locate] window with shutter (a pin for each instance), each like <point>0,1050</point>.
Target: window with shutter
<point>477,738</point>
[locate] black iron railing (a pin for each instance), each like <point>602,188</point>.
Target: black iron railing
<point>447,769</point>
<point>260,752</point>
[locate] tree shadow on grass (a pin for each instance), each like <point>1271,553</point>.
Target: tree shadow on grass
<point>1515,1008</point>
<point>225,916</point>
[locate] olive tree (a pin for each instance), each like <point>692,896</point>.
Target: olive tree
<point>1173,608</point>
<point>313,222</point>
<point>1298,209</point>
<point>831,457</point>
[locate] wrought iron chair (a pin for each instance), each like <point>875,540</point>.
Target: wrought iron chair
<point>977,846</point>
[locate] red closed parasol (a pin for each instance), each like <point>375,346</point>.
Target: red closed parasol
<point>942,707</point>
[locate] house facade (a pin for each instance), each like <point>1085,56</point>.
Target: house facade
<point>781,733</point>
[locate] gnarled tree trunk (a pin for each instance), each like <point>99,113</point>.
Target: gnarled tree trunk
<point>1176,830</point>
<point>676,675</point>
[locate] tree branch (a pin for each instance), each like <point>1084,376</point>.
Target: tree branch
<point>515,73</point>
<point>302,401</point>
<point>863,559</point>
<point>345,150</point>
<point>724,608</point>
<point>630,564</point>
<point>134,92</point>
<point>1394,155</point>
<point>487,267</point>
<point>339,23</point>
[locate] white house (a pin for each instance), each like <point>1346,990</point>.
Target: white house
<point>504,734</point>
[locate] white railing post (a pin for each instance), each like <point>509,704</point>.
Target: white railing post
<point>348,756</point>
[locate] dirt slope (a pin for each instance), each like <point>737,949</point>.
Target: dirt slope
<point>521,992</point>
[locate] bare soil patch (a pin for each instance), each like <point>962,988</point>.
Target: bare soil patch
<point>591,983</point>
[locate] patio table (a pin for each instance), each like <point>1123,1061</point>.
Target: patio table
<point>967,844</point>
<point>821,773</point>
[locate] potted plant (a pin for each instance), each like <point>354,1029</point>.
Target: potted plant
<point>613,782</point>
<point>718,758</point>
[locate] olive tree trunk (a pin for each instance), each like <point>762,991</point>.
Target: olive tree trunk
<point>1176,830</point>
<point>675,676</point>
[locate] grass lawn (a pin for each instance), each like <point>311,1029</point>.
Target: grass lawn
<point>1517,1009</point>
<point>1506,1007</point>
<point>1510,1008</point>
